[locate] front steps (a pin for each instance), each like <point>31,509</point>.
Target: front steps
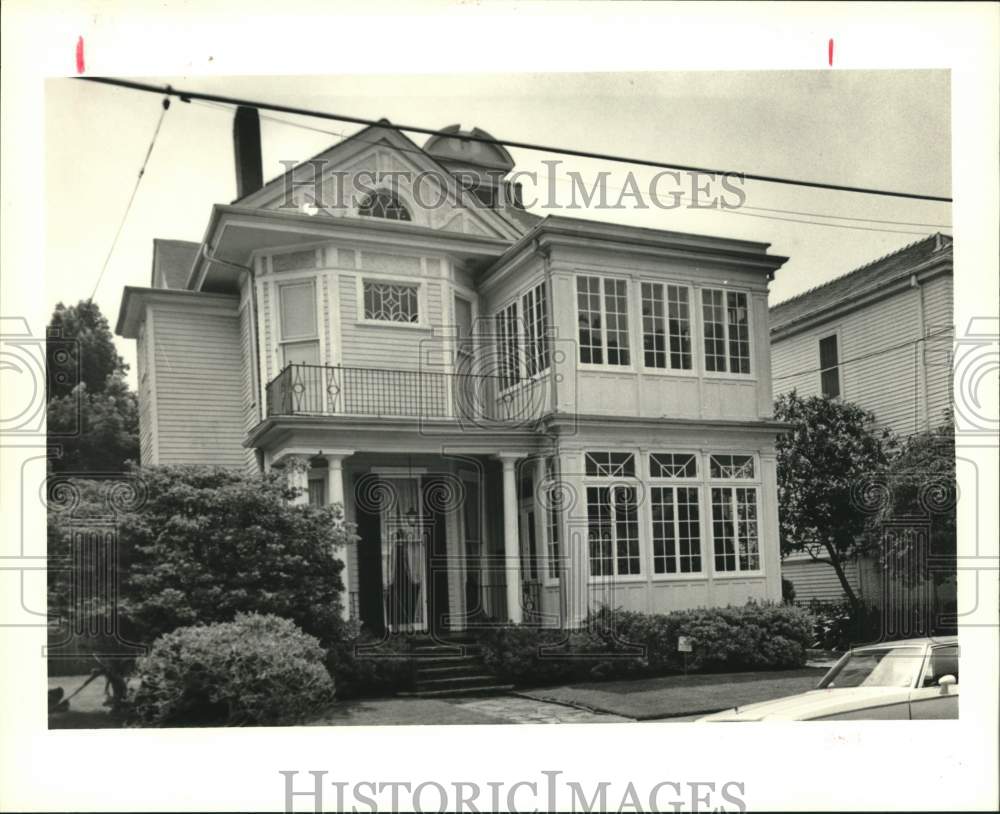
<point>451,669</point>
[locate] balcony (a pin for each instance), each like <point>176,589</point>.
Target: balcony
<point>470,398</point>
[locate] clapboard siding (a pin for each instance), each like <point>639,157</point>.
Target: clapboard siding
<point>145,398</point>
<point>367,345</point>
<point>939,326</point>
<point>817,580</point>
<point>248,384</point>
<point>200,387</point>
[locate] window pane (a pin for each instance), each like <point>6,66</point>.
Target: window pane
<point>599,531</point>
<point>554,516</point>
<point>672,465</point>
<point>610,464</point>
<point>507,347</point>
<point>746,529</point>
<point>728,467</point>
<point>301,353</point>
<point>739,332</point>
<point>588,300</point>
<point>390,302</point>
<point>383,204</point>
<point>626,530</point>
<point>653,331</point>
<point>664,531</point>
<point>298,310</point>
<point>688,530</point>
<point>616,312</point>
<point>536,326</point>
<point>679,314</point>
<point>715,336</point>
<point>722,530</point>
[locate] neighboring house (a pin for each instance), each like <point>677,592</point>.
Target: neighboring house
<point>526,418</point>
<point>881,337</point>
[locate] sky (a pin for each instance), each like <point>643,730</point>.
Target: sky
<point>883,129</point>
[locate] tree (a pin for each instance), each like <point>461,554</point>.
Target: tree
<point>201,544</point>
<point>92,413</point>
<point>832,467</point>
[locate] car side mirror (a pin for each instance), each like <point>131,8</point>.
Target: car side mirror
<point>945,682</point>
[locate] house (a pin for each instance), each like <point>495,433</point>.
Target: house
<point>881,337</point>
<point>525,417</point>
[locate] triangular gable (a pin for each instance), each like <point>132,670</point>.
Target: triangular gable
<point>366,160</point>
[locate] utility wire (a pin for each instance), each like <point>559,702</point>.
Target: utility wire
<point>186,96</point>
<point>739,211</point>
<point>135,189</point>
<point>865,356</point>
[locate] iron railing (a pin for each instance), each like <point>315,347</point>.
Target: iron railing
<point>319,390</point>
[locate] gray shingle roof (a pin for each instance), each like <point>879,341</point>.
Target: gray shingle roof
<point>172,261</point>
<point>860,281</point>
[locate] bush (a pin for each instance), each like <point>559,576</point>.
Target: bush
<point>254,670</point>
<point>619,643</point>
<point>200,544</point>
<point>787,591</point>
<point>838,626</point>
<point>364,665</point>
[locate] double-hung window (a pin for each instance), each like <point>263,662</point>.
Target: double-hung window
<point>666,326</point>
<point>726,328</point>
<point>735,526</point>
<point>676,522</point>
<point>829,367</point>
<point>522,337</point>
<point>612,515</point>
<point>602,314</point>
<point>299,334</point>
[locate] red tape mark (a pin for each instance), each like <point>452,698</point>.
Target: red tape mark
<point>79,55</point>
<point>829,49</point>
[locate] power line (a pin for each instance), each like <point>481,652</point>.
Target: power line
<point>865,356</point>
<point>135,189</point>
<point>417,151</point>
<point>231,100</point>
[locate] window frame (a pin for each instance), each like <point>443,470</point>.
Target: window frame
<point>554,510</point>
<point>380,194</point>
<point>527,344</point>
<point>613,482</point>
<point>310,280</point>
<point>730,485</point>
<point>665,286</point>
<point>751,356</point>
<point>696,482</point>
<point>835,335</point>
<point>418,284</point>
<point>604,365</point>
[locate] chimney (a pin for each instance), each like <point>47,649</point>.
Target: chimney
<point>246,150</point>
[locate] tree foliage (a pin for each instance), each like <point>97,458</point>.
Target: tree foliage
<point>832,469</point>
<point>93,416</point>
<point>201,544</point>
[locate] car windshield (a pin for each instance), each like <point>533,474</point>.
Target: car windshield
<point>890,667</point>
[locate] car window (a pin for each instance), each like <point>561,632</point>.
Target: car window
<point>944,662</point>
<point>892,667</point>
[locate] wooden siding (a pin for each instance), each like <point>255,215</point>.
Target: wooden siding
<point>880,358</point>
<point>248,383</point>
<point>817,580</point>
<point>144,373</point>
<point>938,325</point>
<point>200,386</point>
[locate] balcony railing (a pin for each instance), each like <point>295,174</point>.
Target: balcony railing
<point>318,390</point>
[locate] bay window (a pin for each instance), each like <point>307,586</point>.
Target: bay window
<point>735,531</point>
<point>666,326</point>
<point>726,327</point>
<point>602,314</point>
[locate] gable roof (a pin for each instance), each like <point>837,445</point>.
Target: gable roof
<point>172,262</point>
<point>858,283</point>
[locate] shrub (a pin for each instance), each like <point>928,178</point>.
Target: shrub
<point>787,591</point>
<point>364,665</point>
<point>618,643</point>
<point>254,670</point>
<point>838,626</point>
<point>199,544</point>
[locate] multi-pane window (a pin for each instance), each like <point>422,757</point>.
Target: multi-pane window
<point>673,465</point>
<point>829,367</point>
<point>509,367</point>
<point>726,326</point>
<point>391,302</point>
<point>666,326</point>
<point>299,335</point>
<point>731,467</point>
<point>383,204</point>
<point>676,531</point>
<point>613,530</point>
<point>734,528</point>
<point>609,464</point>
<point>536,325</point>
<point>553,516</point>
<point>602,312</point>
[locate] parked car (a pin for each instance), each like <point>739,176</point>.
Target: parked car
<point>904,680</point>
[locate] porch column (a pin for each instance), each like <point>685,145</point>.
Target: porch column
<point>511,549</point>
<point>335,494</point>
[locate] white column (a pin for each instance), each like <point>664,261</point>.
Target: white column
<point>512,553</point>
<point>335,494</point>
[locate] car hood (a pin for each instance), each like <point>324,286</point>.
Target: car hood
<point>814,704</point>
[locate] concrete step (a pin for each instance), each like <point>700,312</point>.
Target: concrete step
<point>486,689</point>
<point>455,682</point>
<point>465,667</point>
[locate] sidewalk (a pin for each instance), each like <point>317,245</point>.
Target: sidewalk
<point>677,696</point>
